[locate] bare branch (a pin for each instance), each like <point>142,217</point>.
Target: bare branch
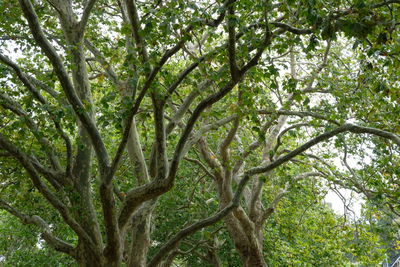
<point>202,166</point>
<point>211,159</point>
<point>101,59</point>
<point>136,28</point>
<point>278,139</point>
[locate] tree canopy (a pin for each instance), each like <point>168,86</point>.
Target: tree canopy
<point>198,133</point>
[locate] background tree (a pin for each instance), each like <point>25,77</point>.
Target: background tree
<point>109,105</point>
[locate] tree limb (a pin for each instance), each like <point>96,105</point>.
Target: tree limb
<point>43,189</point>
<point>53,241</point>
<point>66,83</point>
<point>290,28</point>
<point>86,13</point>
<point>171,243</point>
<point>231,22</point>
<point>347,127</point>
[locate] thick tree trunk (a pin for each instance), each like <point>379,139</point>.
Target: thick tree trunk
<point>140,233</point>
<point>86,258</point>
<point>246,243</point>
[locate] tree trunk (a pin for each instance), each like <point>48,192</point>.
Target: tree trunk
<point>140,233</point>
<point>246,243</point>
<point>86,257</point>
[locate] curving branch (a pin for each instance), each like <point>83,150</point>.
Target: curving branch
<point>54,242</point>
<point>301,114</point>
<point>206,128</point>
<point>290,28</point>
<point>86,13</point>
<point>44,190</point>
<point>29,83</point>
<point>66,83</point>
<point>174,241</point>
<point>252,147</point>
<point>132,112</point>
<point>8,103</point>
<point>278,138</point>
<point>347,127</point>
<point>220,18</point>
<point>28,80</point>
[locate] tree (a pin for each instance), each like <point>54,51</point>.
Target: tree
<point>228,87</point>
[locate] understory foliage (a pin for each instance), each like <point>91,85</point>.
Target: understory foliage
<point>198,133</point>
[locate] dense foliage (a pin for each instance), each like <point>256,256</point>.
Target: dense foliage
<point>198,133</point>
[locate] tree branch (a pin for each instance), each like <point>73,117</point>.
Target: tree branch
<point>53,241</point>
<point>171,243</point>
<point>169,53</point>
<point>202,166</point>
<point>66,83</point>
<point>50,197</point>
<point>8,103</point>
<point>86,13</point>
<point>101,59</point>
<point>299,114</point>
<point>231,22</point>
<point>347,127</point>
<point>27,81</point>
<point>283,191</point>
<point>290,28</point>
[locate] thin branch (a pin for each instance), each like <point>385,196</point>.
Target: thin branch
<point>284,191</point>
<point>278,139</point>
<point>8,103</point>
<point>290,28</point>
<point>102,60</point>
<point>220,18</point>
<point>202,166</point>
<point>252,147</point>
<point>299,114</point>
<point>347,127</point>
<point>53,241</point>
<point>27,81</point>
<point>86,13</point>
